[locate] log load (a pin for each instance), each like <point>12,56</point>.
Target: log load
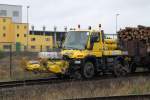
<point>141,33</point>
<point>136,40</point>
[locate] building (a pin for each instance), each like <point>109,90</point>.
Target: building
<point>20,36</point>
<point>40,41</point>
<point>44,40</point>
<point>12,33</point>
<point>12,11</point>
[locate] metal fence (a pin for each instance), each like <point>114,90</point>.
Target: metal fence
<point>11,56</point>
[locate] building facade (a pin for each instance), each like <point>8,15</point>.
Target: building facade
<point>13,11</point>
<point>12,33</point>
<point>40,41</point>
<point>15,37</point>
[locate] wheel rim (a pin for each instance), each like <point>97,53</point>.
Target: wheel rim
<point>88,70</point>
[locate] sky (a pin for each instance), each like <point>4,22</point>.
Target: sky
<point>70,13</point>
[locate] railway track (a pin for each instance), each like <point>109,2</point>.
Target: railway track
<point>11,84</point>
<point>127,97</point>
<point>54,80</point>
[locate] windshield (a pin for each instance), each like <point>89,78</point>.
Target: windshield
<point>76,40</point>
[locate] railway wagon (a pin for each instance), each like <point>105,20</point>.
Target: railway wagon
<point>138,52</point>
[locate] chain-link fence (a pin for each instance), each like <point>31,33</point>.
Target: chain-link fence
<point>11,57</point>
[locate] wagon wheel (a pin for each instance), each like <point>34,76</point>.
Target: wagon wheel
<point>121,68</point>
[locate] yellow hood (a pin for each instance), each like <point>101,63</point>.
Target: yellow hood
<point>75,53</point>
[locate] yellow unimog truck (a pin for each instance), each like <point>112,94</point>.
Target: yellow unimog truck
<point>85,53</point>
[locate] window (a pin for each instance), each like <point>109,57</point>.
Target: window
<point>17,26</point>
<point>4,35</point>
<point>47,39</point>
<point>4,27</point>
<point>15,13</point>
<point>25,35</point>
<point>32,39</point>
<point>33,47</point>
<point>25,27</point>
<point>95,36</point>
<point>6,46</point>
<point>17,35</point>
<point>3,12</point>
<point>4,20</point>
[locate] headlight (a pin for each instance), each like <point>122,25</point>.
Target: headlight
<point>77,62</point>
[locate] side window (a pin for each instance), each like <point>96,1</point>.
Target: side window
<point>95,37</point>
<point>32,39</point>
<point>3,12</point>
<point>15,13</point>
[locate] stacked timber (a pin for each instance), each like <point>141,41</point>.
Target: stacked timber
<point>135,39</point>
<point>141,33</point>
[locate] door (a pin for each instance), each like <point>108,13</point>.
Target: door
<point>96,44</point>
<point>18,47</point>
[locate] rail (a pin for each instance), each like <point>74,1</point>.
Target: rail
<point>54,80</point>
<point>18,83</point>
<point>127,97</point>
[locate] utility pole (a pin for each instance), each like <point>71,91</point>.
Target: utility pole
<point>55,36</point>
<point>10,55</point>
<point>117,22</point>
<point>28,26</point>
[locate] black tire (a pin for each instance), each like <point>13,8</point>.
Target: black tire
<point>88,70</point>
<point>121,68</point>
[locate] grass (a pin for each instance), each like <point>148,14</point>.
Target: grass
<point>18,72</point>
<point>107,87</point>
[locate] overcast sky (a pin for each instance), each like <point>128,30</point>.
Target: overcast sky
<point>85,12</point>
